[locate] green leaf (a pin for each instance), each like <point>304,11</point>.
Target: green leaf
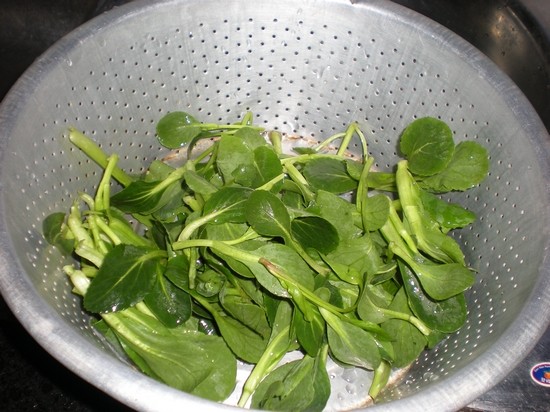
<point>233,153</point>
<point>304,150</point>
<point>381,181</point>
<point>286,258</point>
<point>209,282</point>
<point>225,231</point>
<point>439,281</point>
<point>177,129</point>
<point>351,344</point>
<point>371,303</point>
<point>467,168</point>
<point>185,359</point>
<point>345,272</point>
<point>265,165</point>
<point>157,171</point>
<point>445,280</point>
<point>447,215</point>
<point>228,205</point>
<point>198,183</point>
<point>376,210</point>
<point>443,315</point>
<point>407,341</point>
<point>428,145</point>
<point>267,214</point>
<point>123,229</point>
<point>171,305</point>
<point>329,174</point>
<point>354,169</point>
<point>280,343</point>
<point>176,271</point>
<point>56,234</point>
<point>300,385</point>
<point>315,233</point>
<point>246,344</point>
<point>244,310</point>
<point>310,333</point>
<point>243,269</point>
<point>141,197</point>
<point>427,233</point>
<point>125,278</point>
<point>361,254</point>
<point>339,212</point>
<point>251,137</point>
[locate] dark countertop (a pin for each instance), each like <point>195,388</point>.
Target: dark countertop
<point>31,380</point>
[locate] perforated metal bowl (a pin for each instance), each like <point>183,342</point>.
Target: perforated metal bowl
<point>307,68</point>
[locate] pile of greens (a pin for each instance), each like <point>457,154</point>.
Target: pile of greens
<point>245,253</point>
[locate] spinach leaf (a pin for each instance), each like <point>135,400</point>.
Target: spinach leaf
<point>443,315</point>
<point>375,211</point>
<point>246,343</point>
<point>227,205</point>
<point>279,344</point>
<point>300,385</point>
<point>233,153</point>
<point>176,271</point>
<point>338,211</point>
<point>329,174</point>
<point>428,145</point>
<point>440,281</point>
<point>55,232</point>
<point>309,332</point>
<point>170,304</point>
<point>315,233</point>
<point>372,303</point>
<point>468,167</point>
<point>243,309</point>
<point>140,197</point>
<point>284,257</point>
<point>264,165</point>
<point>428,236</point>
<point>185,359</point>
<point>124,279</point>
<point>251,137</point>
<point>199,184</point>
<point>360,254</point>
<point>267,214</point>
<point>177,129</point>
<point>351,344</point>
<point>407,341</point>
<point>209,282</point>
<point>447,215</point>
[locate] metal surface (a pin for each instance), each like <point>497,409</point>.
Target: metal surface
<point>307,68</point>
<point>514,34</point>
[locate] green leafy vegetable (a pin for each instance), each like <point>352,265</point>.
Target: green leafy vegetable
<point>315,232</point>
<point>185,359</point>
<point>125,277</point>
<point>428,145</point>
<point>298,385</point>
<point>245,253</point>
<point>468,167</point>
<point>329,174</point>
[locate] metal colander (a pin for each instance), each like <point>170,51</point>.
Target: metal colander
<point>307,68</point>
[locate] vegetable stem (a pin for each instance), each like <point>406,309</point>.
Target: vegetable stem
<point>302,183</point>
<point>276,141</point>
<point>280,274</point>
<point>94,152</point>
<point>274,352</point>
<point>380,380</point>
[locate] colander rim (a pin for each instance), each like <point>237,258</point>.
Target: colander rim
<point>96,367</point>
